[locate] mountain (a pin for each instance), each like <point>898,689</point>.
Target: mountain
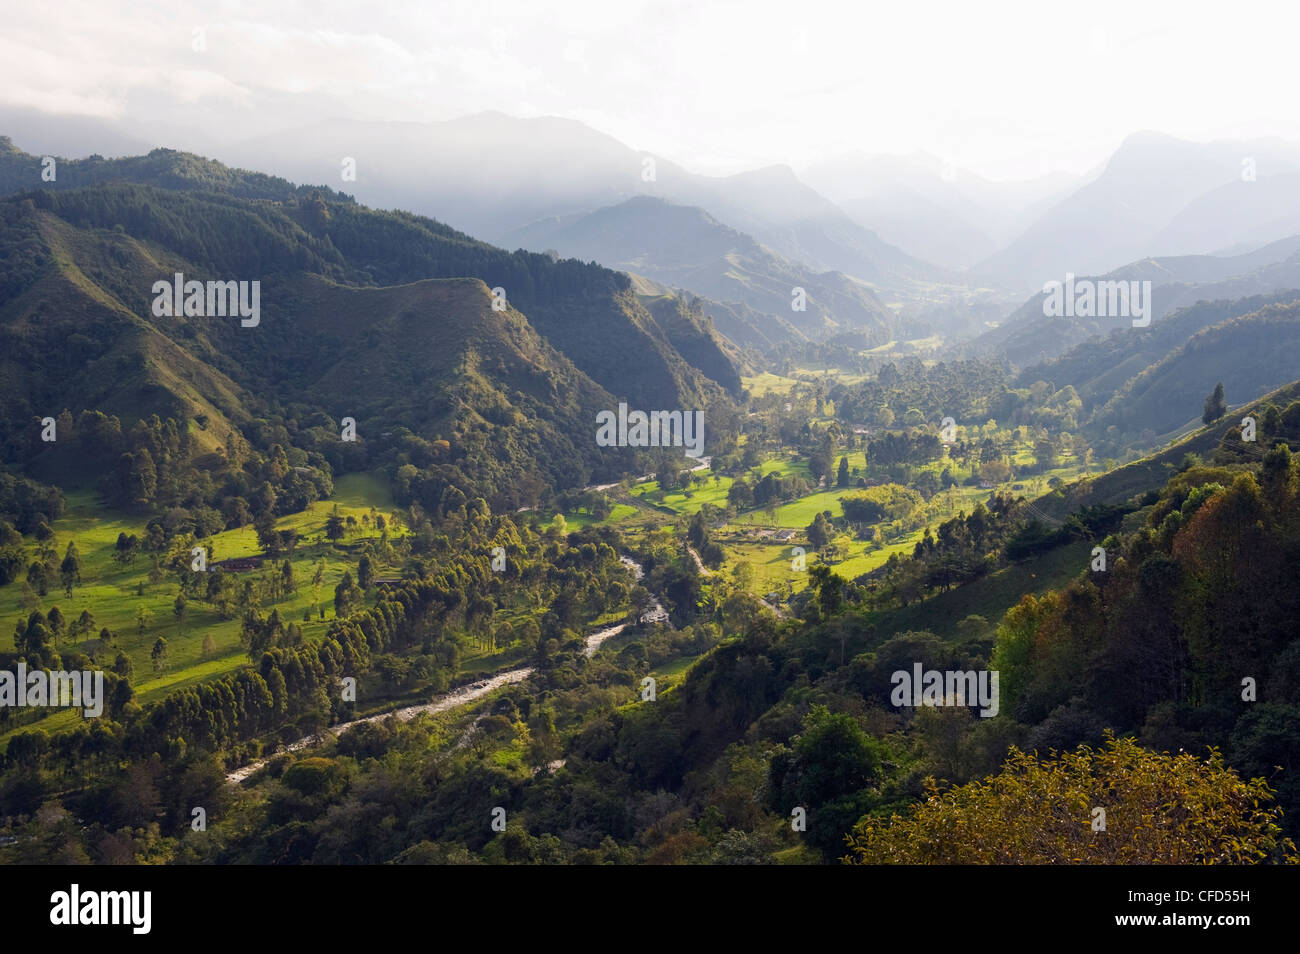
<point>1100,368</point>
<point>939,213</point>
<point>685,247</point>
<point>922,227</point>
<point>1119,216</point>
<point>1139,386</point>
<point>1239,215</point>
<point>1027,336</point>
<point>491,174</point>
<point>389,318</point>
<point>68,135</point>
<point>1251,355</point>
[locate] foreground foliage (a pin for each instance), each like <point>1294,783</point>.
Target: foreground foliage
<point>1159,809</point>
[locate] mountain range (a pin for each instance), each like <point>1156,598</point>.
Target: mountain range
<point>685,247</point>
<point>393,319</point>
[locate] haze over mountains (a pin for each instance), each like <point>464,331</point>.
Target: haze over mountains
<point>1134,209</point>
<point>908,232</point>
<point>636,654</point>
<point>491,174</point>
<point>934,210</point>
<point>396,306</point>
<point>889,247</point>
<point>1028,335</point>
<point>685,247</point>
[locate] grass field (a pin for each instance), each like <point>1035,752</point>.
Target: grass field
<point>990,596</point>
<point>772,561</point>
<point>672,673</point>
<point>577,519</point>
<point>114,594</point>
<point>765,383</point>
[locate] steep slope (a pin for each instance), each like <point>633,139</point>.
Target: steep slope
<point>786,215</point>
<point>587,312</point>
<point>685,247</point>
<point>432,356</point>
<point>163,168</point>
<point>68,341</point>
<point>492,174</point>
<point>1028,337</point>
<point>1100,368</point>
<point>1116,218</point>
<point>387,318</point>
<point>691,334</point>
<point>1239,214</point>
<point>1250,355</point>
<point>1151,472</point>
<point>989,211</point>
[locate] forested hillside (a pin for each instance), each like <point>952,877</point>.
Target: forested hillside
<point>355,324</point>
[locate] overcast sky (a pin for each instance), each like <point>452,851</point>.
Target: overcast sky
<point>1008,90</point>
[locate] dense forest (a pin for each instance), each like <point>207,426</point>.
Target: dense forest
<point>363,587</point>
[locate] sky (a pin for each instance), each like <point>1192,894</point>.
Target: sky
<point>1007,90</point>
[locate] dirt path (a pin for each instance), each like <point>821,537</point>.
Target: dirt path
<point>450,700</point>
<point>699,564</point>
<point>457,697</point>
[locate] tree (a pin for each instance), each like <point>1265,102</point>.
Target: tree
<point>995,471</point>
<point>122,665</point>
<point>31,638</point>
<point>745,575</point>
<point>139,477</point>
<point>827,773</point>
<point>335,528</point>
<point>126,549</point>
<point>70,568</point>
<point>819,461</point>
<point>740,495</point>
<point>1215,408</point>
<point>58,625</point>
<point>842,477</point>
<point>38,577</point>
<point>209,647</point>
<point>346,595</point>
<point>972,627</point>
<point>268,538</point>
<point>178,607</point>
<point>84,626</point>
<point>820,531</point>
<point>142,615</point>
<point>830,589</point>
<point>1159,809</point>
<point>365,573</point>
<point>159,654</point>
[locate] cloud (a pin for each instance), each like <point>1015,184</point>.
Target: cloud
<point>746,83</point>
